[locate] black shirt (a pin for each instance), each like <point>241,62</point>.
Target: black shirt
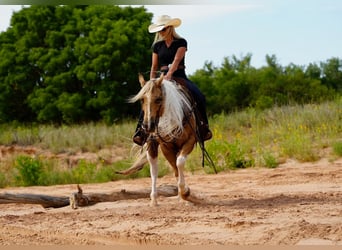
<point>167,54</point>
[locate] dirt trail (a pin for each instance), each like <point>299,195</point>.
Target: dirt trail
<point>294,204</point>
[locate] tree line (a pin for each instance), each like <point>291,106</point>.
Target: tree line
<point>76,64</point>
<point>236,84</point>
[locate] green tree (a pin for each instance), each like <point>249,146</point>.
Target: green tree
<point>226,88</point>
<point>313,71</point>
<point>332,73</point>
<point>300,88</point>
<point>72,63</point>
<point>204,78</point>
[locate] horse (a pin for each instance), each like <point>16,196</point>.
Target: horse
<point>170,122</point>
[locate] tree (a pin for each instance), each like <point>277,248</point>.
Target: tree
<point>204,79</point>
<point>72,63</point>
<point>332,74</point>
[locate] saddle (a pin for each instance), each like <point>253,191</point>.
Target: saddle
<point>180,81</point>
<point>203,132</point>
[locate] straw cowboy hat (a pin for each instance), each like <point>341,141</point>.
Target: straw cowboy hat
<point>162,22</point>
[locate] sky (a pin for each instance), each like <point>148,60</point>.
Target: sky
<point>295,31</point>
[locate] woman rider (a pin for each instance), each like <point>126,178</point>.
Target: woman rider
<point>169,57</point>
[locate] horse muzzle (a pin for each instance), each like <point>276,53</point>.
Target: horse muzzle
<point>150,126</point>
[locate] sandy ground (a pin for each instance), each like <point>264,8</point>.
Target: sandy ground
<point>294,204</point>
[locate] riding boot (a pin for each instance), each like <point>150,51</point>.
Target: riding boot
<point>140,136</point>
<point>205,132</point>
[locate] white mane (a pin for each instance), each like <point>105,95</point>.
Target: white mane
<point>176,106</point>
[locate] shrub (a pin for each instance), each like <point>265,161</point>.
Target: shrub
<point>29,169</point>
<point>227,155</point>
<point>269,160</point>
<point>337,147</point>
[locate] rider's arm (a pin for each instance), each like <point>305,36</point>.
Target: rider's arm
<point>178,58</point>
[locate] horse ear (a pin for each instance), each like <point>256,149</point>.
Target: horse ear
<point>160,79</point>
<point>141,80</point>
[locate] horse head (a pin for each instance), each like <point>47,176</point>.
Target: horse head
<point>152,102</point>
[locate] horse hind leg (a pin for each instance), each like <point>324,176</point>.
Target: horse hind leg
<point>171,157</point>
<point>175,170</point>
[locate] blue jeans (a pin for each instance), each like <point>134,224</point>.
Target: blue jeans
<point>196,94</point>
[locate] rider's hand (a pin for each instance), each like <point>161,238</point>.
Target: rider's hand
<point>168,76</point>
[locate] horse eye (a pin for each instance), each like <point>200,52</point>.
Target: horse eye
<point>158,100</point>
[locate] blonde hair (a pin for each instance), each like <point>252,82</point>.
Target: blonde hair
<point>172,32</point>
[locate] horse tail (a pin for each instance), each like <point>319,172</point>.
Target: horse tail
<point>137,165</point>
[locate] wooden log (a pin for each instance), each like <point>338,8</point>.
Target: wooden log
<point>45,200</point>
<point>80,199</point>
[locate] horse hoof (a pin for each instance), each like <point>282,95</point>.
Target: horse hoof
<point>153,203</point>
<point>186,194</point>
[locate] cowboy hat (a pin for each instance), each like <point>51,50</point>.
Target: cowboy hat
<point>162,22</point>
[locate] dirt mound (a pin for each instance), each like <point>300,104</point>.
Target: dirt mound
<point>292,204</point>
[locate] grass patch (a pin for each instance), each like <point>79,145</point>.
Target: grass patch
<point>253,138</point>
<point>250,138</point>
<point>86,137</point>
<point>32,171</point>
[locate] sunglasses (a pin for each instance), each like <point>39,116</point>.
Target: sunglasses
<point>164,29</point>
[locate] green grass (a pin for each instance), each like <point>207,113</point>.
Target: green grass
<point>253,138</point>
<point>87,138</point>
<point>250,138</point>
<point>337,147</point>
<point>31,171</point>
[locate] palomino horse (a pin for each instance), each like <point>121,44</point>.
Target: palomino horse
<point>170,123</point>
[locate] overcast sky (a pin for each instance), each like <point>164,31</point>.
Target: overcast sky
<point>296,31</point>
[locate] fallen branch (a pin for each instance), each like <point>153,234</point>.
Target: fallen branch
<point>45,200</point>
<point>80,199</point>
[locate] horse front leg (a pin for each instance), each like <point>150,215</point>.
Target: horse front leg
<point>154,175</point>
<point>152,157</point>
<point>183,191</point>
